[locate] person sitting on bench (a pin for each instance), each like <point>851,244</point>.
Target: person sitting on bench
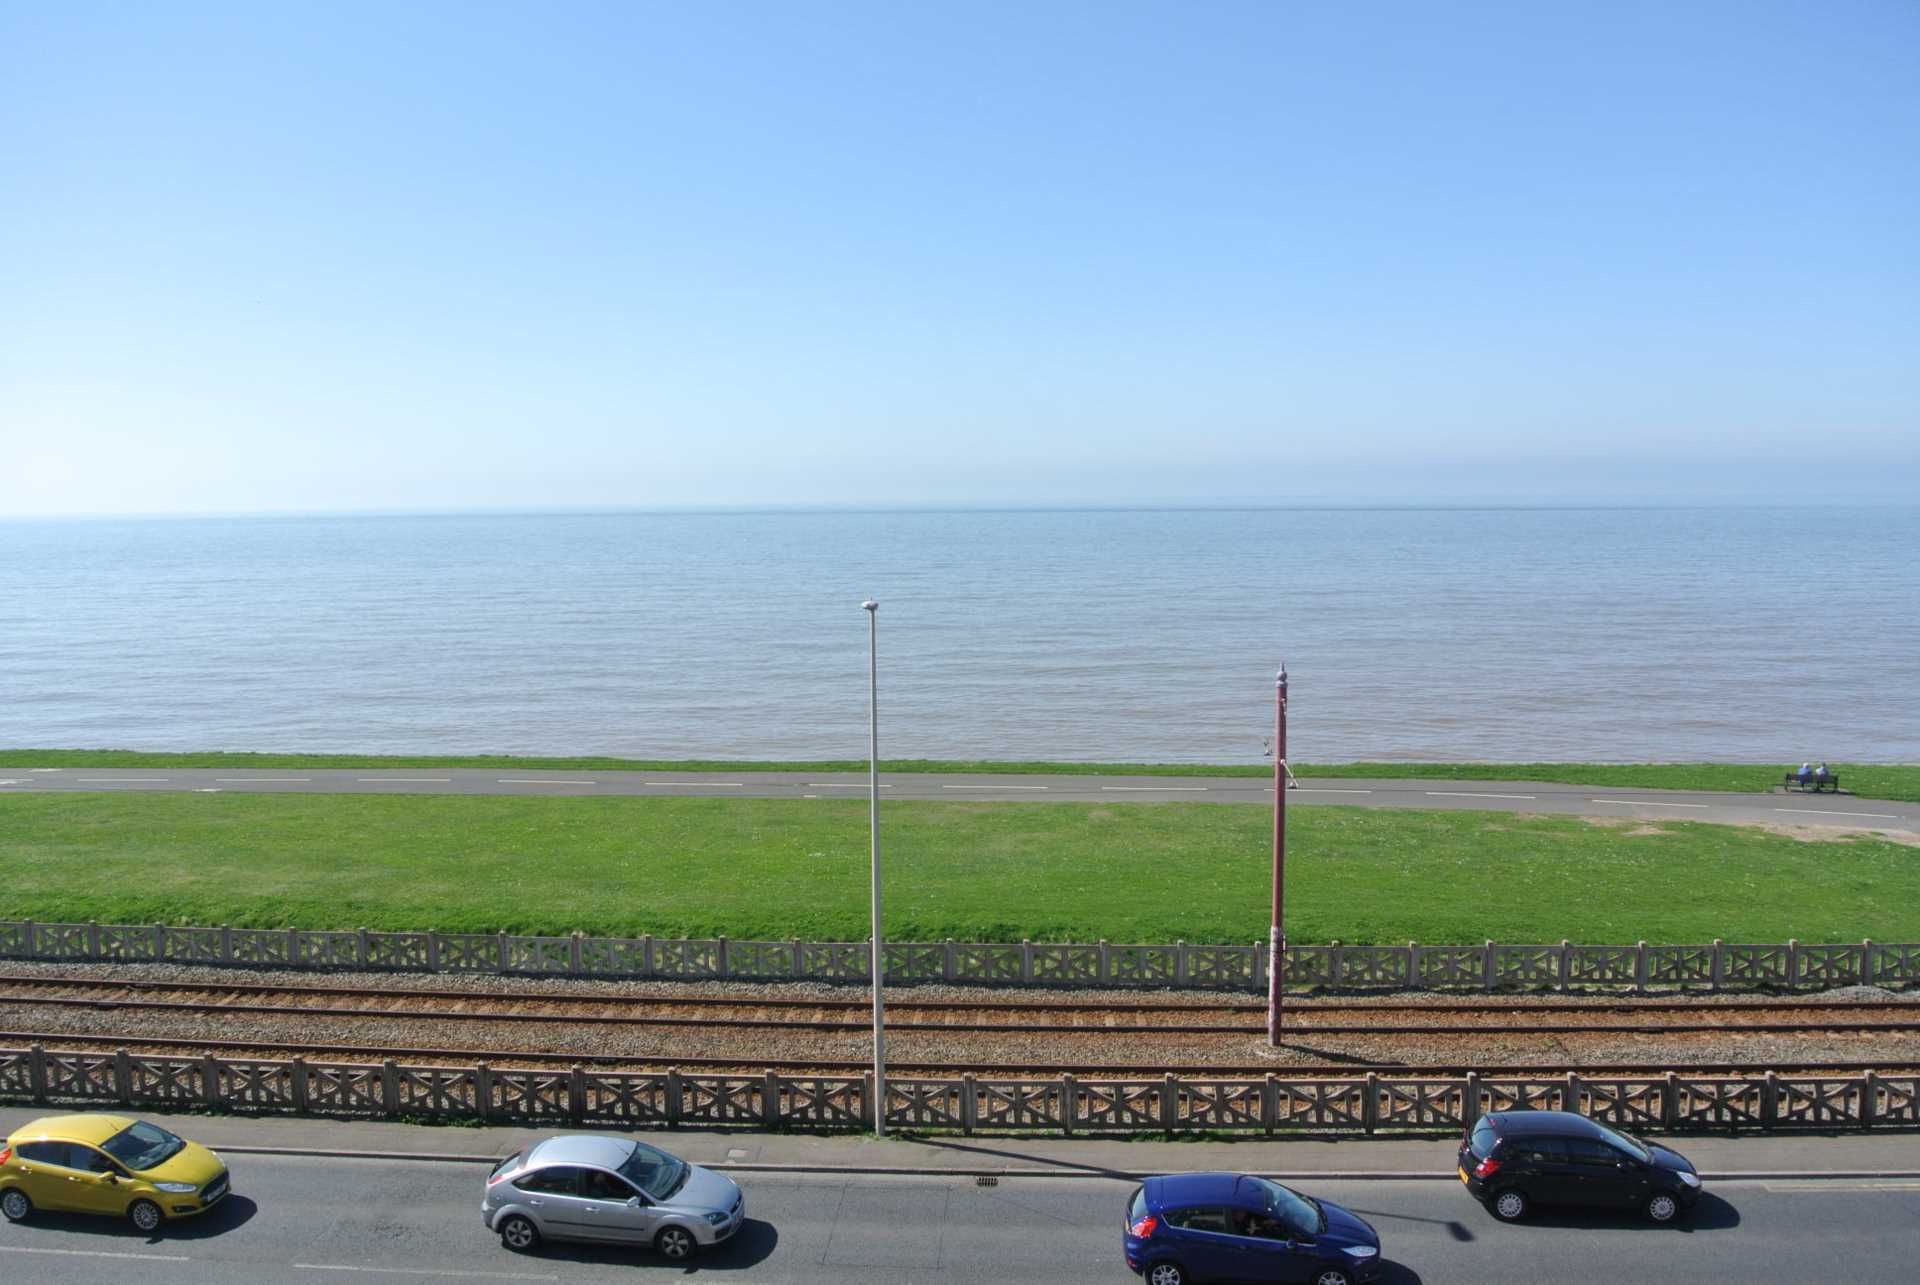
<point>1821,776</point>
<point>1805,774</point>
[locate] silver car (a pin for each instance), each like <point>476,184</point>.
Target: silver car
<point>610,1189</point>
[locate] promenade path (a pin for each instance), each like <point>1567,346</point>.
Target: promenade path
<point>1844,812</point>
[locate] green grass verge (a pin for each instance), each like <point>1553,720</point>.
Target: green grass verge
<point>1868,780</point>
<point>1000,871</point>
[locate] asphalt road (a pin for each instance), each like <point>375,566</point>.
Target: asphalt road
<point>299,1219</point>
<point>1843,811</point>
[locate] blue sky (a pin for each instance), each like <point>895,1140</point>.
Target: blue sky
<point>427,256</point>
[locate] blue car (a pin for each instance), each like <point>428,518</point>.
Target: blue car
<point>1235,1227</point>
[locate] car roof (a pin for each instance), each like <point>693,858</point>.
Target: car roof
<point>87,1127</point>
<point>1523,1124</point>
<point>582,1149</point>
<point>1205,1189</point>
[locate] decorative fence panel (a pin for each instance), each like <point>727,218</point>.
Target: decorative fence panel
<point>1488,966</point>
<point>1361,1105</point>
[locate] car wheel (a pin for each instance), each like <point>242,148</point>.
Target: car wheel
<point>15,1205</point>
<point>676,1243</point>
<point>1166,1273</point>
<point>145,1215</point>
<point>1509,1205</point>
<point>1331,1276</point>
<point>519,1234</point>
<point>1662,1208</point>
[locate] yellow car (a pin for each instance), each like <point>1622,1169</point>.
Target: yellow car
<point>108,1164</point>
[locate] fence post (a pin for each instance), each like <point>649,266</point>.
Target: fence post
<point>1069,1103</point>
<point>1640,966</point>
<point>37,1072</point>
<point>721,963</point>
<point>573,953</point>
<point>1487,969</point>
<point>93,939</point>
<point>390,1087</point>
<point>1566,964</point>
<point>1026,962</point>
<point>576,1093</point>
<point>1670,1101</point>
<point>1571,1100</point>
<point>1866,962</point>
<point>501,953</point>
<point>1869,1100</point>
<point>1793,961</point>
<point>159,942</point>
<point>969,1104</point>
<point>1718,972</point>
<point>1269,1103</point>
<point>293,947</point>
<point>1180,963</point>
<point>947,961</point>
<point>675,1102</point>
<point>433,950</point>
<point>122,1077</point>
<point>1106,962</point>
<point>1470,1109</point>
<point>799,959</point>
<point>1770,1101</point>
<point>1260,965</point>
<point>297,1083</point>
<point>361,949</point>
<point>770,1101</point>
<point>646,954</point>
<point>226,944</point>
<point>1335,953</point>
<point>1413,965</point>
<point>870,1108</point>
<point>210,1080</point>
<point>483,1090</point>
<point>1370,1105</point>
<point>1169,1102</point>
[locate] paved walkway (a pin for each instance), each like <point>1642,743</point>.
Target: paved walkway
<point>1856,1155</point>
<point>1837,810</point>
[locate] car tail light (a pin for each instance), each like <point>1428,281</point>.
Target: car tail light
<point>1486,1168</point>
<point>1144,1228</point>
<point>502,1176</point>
<point>6,1154</point>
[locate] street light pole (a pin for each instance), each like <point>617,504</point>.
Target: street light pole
<point>1276,935</point>
<point>872,609</point>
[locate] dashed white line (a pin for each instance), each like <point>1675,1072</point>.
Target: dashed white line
<point>1649,803</point>
<point>423,1271</point>
<point>403,780</point>
<point>95,1253</point>
<point>511,780</point>
<point>718,785</point>
<point>835,785</point>
<point>46,769</point>
<point>1823,812</point>
<point>1465,794</point>
<point>1320,789</point>
<point>995,787</point>
<point>1159,789</point>
<point>1832,1184</point>
<point>120,780</point>
<point>260,780</point>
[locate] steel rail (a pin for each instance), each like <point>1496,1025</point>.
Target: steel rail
<point>1020,1006</point>
<point>106,1044</point>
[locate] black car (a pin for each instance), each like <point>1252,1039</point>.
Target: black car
<point>1511,1161</point>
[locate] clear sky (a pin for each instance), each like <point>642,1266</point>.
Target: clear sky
<point>319,256</point>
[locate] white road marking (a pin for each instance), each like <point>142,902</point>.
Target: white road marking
<point>996,787</point>
<point>424,1271</point>
<point>264,780</point>
<point>119,780</point>
<point>835,785</point>
<point>516,780</point>
<point>1648,803</point>
<point>1463,794</point>
<point>1320,789</point>
<point>718,785</point>
<point>208,789</point>
<point>1839,1184</point>
<point>809,796</point>
<point>1823,812</point>
<point>46,769</point>
<point>95,1253</point>
<point>1159,789</point>
<point>406,780</point>
<point>12,782</point>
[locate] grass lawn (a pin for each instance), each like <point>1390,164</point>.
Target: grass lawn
<point>1868,780</point>
<point>994,871</point>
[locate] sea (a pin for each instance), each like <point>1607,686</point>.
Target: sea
<point>1126,635</point>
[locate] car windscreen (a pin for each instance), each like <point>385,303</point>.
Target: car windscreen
<point>1626,1142</point>
<point>654,1172</point>
<point>142,1146</point>
<point>1301,1216</point>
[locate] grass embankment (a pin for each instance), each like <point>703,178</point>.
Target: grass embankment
<point>1055,871</point>
<point>1868,780</point>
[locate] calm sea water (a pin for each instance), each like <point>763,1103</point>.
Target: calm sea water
<point>1759,635</point>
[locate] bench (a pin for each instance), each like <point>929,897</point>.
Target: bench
<point>1814,784</point>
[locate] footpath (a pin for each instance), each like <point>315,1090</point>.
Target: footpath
<point>1855,1155</point>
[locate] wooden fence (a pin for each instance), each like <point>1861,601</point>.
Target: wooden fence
<point>1064,1104</point>
<point>1487,966</point>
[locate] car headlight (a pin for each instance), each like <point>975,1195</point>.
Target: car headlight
<point>1691,1179</point>
<point>1361,1251</point>
<point>177,1188</point>
<point>716,1219</point>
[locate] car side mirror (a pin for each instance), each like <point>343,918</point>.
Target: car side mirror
<point>638,1202</point>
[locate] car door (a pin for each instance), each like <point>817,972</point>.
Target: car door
<point>95,1181</point>
<point>553,1194</point>
<point>1203,1242</point>
<point>1268,1250</point>
<point>1543,1170</point>
<point>43,1174</point>
<point>618,1211</point>
<point>1602,1183</point>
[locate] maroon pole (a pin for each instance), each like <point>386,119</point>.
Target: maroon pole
<point>1277,937</point>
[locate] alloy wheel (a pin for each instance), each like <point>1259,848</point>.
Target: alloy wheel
<point>674,1242</point>
<point>15,1205</point>
<point>1332,1276</point>
<point>518,1233</point>
<point>145,1215</point>
<point>1166,1274</point>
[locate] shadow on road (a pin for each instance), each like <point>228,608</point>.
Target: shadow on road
<point>1710,1214</point>
<point>1392,1273</point>
<point>1455,1228</point>
<point>234,1211</point>
<point>1051,1162</point>
<point>749,1247</point>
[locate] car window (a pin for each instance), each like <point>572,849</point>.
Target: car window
<point>554,1180</point>
<point>1299,1215</point>
<point>1203,1218</point>
<point>1625,1142</point>
<point>598,1184</point>
<point>1138,1209</point>
<point>1593,1153</point>
<point>1250,1222</point>
<point>45,1153</point>
<point>86,1158</point>
<point>1540,1151</point>
<point>1483,1139</point>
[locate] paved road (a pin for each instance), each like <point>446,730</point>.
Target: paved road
<point>301,1219</point>
<point>1843,811</point>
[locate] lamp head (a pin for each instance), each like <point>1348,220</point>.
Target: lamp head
<point>870,605</point>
